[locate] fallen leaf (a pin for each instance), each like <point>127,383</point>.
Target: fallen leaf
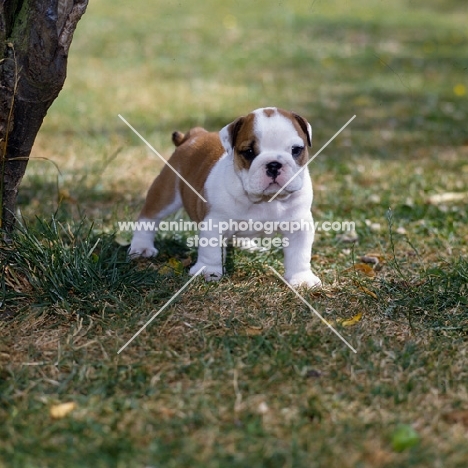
<point>253,330</point>
<point>363,268</point>
<point>459,89</point>
<point>61,410</point>
<point>64,195</point>
<point>166,413</point>
<point>367,291</point>
<point>176,265</point>
<point>352,321</point>
<point>173,266</point>
<point>457,417</point>
<point>366,269</point>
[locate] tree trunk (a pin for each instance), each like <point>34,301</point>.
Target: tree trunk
<point>35,36</point>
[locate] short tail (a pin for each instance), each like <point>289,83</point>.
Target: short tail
<point>178,138</point>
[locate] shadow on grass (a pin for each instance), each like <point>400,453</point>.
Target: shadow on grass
<point>75,267</point>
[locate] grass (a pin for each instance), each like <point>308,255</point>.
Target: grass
<point>241,373</point>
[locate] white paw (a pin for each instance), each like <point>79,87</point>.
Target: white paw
<point>209,273</point>
<point>304,278</point>
<point>140,250</point>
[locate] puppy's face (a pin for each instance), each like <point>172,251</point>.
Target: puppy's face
<point>268,147</point>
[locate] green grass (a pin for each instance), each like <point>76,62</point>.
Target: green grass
<point>240,373</point>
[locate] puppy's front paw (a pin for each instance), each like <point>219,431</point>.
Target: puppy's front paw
<point>142,250</point>
<point>209,273</point>
<point>304,278</point>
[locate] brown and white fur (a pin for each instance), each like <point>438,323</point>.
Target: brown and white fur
<point>237,171</point>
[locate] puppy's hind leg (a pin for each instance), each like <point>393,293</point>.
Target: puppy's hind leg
<point>163,199</point>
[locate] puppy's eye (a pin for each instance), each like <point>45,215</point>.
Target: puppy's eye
<point>296,151</point>
<point>248,153</point>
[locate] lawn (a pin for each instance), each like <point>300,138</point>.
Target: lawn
<point>241,373</point>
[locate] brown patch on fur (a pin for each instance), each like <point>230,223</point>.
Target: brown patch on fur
<point>234,128</point>
<point>241,136</point>
<point>302,160</point>
<point>160,194</point>
<point>303,124</point>
<point>269,112</point>
<point>300,124</point>
<point>194,157</point>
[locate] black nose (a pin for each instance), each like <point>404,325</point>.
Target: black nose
<point>272,169</point>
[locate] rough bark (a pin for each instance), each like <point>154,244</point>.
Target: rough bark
<point>35,37</point>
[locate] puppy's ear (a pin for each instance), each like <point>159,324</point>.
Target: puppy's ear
<point>305,126</point>
<point>228,134</point>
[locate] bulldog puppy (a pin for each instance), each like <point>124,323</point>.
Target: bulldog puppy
<point>238,171</point>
